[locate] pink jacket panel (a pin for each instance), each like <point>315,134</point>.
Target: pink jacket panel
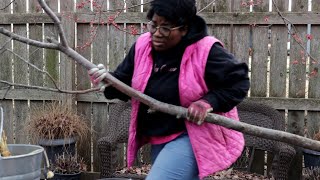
<point>215,147</point>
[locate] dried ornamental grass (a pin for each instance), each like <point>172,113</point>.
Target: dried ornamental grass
<point>56,121</point>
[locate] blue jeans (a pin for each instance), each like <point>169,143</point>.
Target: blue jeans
<point>174,160</point>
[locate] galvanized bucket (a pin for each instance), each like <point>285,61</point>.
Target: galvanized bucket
<point>24,162</point>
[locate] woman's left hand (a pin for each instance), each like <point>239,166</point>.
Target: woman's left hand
<point>197,111</point>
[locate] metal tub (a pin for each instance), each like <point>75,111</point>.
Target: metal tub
<point>23,164</point>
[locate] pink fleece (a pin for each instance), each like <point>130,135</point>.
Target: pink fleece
<point>215,147</point>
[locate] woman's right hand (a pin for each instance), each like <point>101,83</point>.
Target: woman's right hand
<point>97,74</point>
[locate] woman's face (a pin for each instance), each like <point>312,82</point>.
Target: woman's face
<point>164,41</point>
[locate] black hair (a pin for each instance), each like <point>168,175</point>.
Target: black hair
<point>179,12</point>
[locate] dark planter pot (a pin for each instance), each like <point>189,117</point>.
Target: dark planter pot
<point>311,158</point>
<point>56,147</point>
<point>76,176</point>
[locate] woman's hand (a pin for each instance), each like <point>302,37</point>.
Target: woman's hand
<point>97,75</point>
<point>197,111</point>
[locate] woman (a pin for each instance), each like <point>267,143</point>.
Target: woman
<point>176,62</point>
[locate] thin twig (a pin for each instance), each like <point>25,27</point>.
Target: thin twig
<point>213,1</point>
<point>27,40</point>
<point>56,20</point>
<point>35,67</point>
<point>7,5</point>
<point>50,89</point>
<point>5,94</point>
<point>285,20</point>
<point>122,9</point>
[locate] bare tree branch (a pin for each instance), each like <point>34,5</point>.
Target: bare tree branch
<point>49,89</point>
<point>182,112</point>
<point>35,67</point>
<point>285,20</point>
<point>6,6</point>
<point>56,20</point>
<point>27,40</point>
<point>157,105</point>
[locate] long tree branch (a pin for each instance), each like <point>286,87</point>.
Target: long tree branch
<point>49,89</point>
<point>27,40</point>
<point>182,112</point>
<point>56,20</point>
<point>177,110</point>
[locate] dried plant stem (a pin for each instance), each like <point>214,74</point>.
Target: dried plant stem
<point>4,151</point>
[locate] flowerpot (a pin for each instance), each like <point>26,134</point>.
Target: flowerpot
<point>56,147</point>
<point>58,176</point>
<point>311,158</point>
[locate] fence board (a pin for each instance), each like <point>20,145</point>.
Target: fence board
<point>297,84</point>
<point>259,61</point>
<point>282,5</point>
<point>35,58</point>
<point>51,58</point>
<point>315,5</point>
<point>261,6</point>
<point>116,46</point>
<point>20,74</point>
<point>67,65</point>
<point>5,6</point>
<point>313,118</point>
<point>100,110</point>
<point>278,61</point>
<point>116,55</point>
<point>6,75</point>
<point>259,64</point>
<point>223,32</point>
<point>83,82</point>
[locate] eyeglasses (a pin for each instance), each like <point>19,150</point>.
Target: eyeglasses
<point>164,30</point>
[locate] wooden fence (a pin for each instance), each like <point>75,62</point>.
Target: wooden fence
<point>281,76</point>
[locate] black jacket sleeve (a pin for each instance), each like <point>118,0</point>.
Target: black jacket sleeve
<point>226,78</point>
<point>123,73</point>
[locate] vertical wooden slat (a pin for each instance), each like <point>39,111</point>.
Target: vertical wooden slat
<point>20,74</point>
<point>116,55</point>
<point>208,6</point>
<point>116,40</point>
<point>315,5</point>
<point>222,32</point>
<point>282,5</point>
<point>6,75</point>
<point>146,5</point>
<point>259,61</point>
<point>130,38</point>
<point>297,83</point>
<point>259,64</point>
<point>35,58</point>
<point>278,61</point>
<point>99,110</point>
<point>313,119</point>
<point>51,56</point>
<point>299,5</point>
<point>240,41</point>
<point>83,82</point>
<point>67,65</point>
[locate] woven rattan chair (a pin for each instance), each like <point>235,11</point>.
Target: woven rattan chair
<point>249,112</point>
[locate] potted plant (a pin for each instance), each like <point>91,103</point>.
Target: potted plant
<point>57,128</point>
<point>311,157</point>
<point>68,167</point>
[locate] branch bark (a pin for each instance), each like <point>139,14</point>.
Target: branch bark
<point>160,106</point>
